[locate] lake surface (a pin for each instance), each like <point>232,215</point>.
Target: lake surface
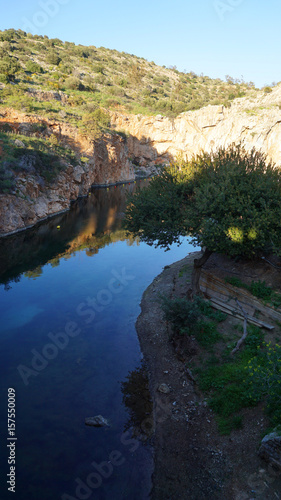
<point>69,298</point>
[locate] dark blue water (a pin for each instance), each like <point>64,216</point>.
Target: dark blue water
<point>69,300</point>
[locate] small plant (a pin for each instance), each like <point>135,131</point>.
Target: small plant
<point>208,311</point>
<point>94,123</point>
<point>258,288</point>
<point>232,280</point>
<point>181,313</point>
<point>53,141</point>
<point>53,58</point>
<point>206,333</point>
<point>33,67</point>
<point>225,382</point>
<point>264,374</point>
<point>73,83</point>
<point>123,133</point>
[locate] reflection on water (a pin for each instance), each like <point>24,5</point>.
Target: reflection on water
<point>91,224</point>
<point>67,343</point>
<point>137,399</point>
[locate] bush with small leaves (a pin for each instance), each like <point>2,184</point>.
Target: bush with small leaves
<point>53,58</point>
<point>181,313</point>
<point>4,78</point>
<point>73,83</point>
<point>264,378</point>
<point>94,123</point>
<point>9,66</point>
<point>33,67</point>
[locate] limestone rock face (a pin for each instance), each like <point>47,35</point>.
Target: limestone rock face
<point>254,122</point>
<point>35,199</point>
<point>151,141</point>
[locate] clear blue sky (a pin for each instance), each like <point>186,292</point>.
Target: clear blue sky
<point>213,37</point>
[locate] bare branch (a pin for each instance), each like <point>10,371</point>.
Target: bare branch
<point>245,333</point>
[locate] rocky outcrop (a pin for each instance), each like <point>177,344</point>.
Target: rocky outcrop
<point>254,122</point>
<point>48,95</point>
<point>33,199</point>
<point>270,449</point>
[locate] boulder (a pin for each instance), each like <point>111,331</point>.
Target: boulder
<point>270,449</point>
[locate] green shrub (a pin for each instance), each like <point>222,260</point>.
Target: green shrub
<point>264,378</point>
<point>89,83</point>
<point>9,66</point>
<point>4,78</point>
<point>73,83</point>
<point>33,67</point>
<point>7,182</point>
<point>206,333</point>
<point>208,311</point>
<point>93,123</point>
<point>181,313</point>
<point>258,288</point>
<point>53,58</point>
<point>225,381</point>
<point>98,68</point>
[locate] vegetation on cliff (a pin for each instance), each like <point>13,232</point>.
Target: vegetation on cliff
<point>35,155</point>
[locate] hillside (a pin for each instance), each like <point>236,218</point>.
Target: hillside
<point>94,77</point>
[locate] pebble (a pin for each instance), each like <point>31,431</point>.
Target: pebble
<point>164,389</point>
<point>97,421</point>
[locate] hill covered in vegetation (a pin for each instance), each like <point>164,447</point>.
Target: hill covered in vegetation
<point>91,77</point>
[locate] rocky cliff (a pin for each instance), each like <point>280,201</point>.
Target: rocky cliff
<point>149,141</point>
<point>255,122</point>
<point>34,199</point>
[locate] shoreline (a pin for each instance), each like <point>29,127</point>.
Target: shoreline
<point>192,460</point>
<point>178,473</point>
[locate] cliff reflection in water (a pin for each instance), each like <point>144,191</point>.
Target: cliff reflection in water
<point>91,223</point>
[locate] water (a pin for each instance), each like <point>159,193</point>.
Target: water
<point>69,299</point>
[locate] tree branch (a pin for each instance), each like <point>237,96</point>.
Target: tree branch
<point>245,333</point>
<point>197,266</point>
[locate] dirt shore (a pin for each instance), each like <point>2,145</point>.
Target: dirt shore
<point>192,460</point>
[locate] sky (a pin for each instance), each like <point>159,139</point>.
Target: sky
<point>240,38</point>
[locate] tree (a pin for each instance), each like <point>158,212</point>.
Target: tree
<point>9,66</point>
<point>53,58</point>
<point>228,202</point>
